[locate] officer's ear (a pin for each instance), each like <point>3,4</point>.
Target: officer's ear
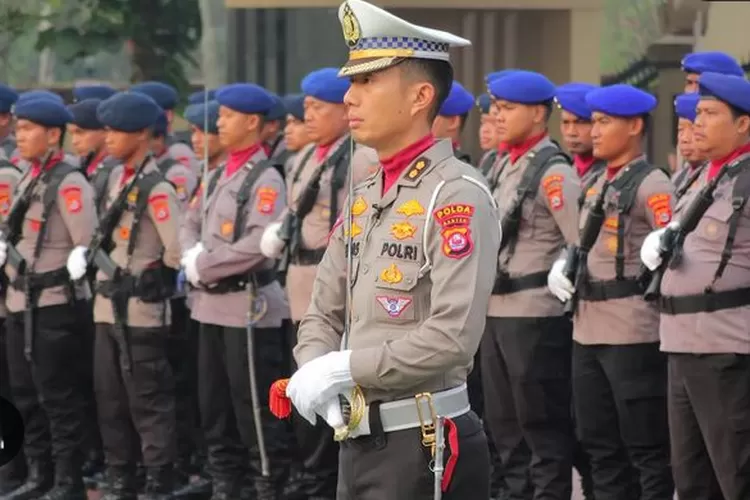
<point>743,124</point>
<point>254,123</point>
<point>55,137</point>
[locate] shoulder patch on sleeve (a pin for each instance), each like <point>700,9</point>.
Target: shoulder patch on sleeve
<point>267,196</point>
<point>160,205</point>
<point>660,206</point>
<point>454,220</point>
<point>553,190</point>
<point>72,197</point>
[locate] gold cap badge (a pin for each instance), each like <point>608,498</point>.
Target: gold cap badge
<point>350,25</point>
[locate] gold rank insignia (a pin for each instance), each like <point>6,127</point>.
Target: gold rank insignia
<point>418,168</point>
<point>355,230</point>
<point>403,230</point>
<point>133,196</point>
<point>359,206</point>
<point>350,25</point>
<point>409,208</point>
<point>391,274</point>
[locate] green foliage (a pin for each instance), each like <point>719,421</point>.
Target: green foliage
<point>629,28</point>
<point>160,35</point>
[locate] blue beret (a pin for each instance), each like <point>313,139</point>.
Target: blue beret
<point>200,97</point>
<point>620,100</point>
<point>458,102</point>
<point>295,105</point>
<point>731,89</point>
<point>277,111</point>
<point>524,87</point>
<point>84,114</point>
<point>35,94</point>
<point>8,97</point>
<point>684,105</point>
<point>196,115</point>
<point>484,102</point>
<point>93,92</point>
<point>163,94</point>
<point>498,74</point>
<point>43,111</point>
<point>128,112</point>
<point>572,98</point>
<point>715,62</point>
<point>326,85</point>
<point>247,98</point>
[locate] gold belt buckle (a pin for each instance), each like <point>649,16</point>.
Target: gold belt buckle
<point>427,427</point>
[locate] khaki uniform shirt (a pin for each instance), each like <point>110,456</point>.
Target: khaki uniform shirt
<point>156,242</point>
<point>71,223</point>
<point>414,327</point>
<point>728,330</point>
<point>316,226</point>
<point>182,153</point>
<point>9,179</point>
<point>184,180</point>
<point>629,320</point>
<point>224,258</point>
<point>548,222</point>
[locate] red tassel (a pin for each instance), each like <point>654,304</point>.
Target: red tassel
<point>279,403</point>
<point>450,466</point>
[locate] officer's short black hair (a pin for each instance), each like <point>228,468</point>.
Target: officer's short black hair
<point>737,112</point>
<point>646,124</point>
<point>61,140</point>
<point>436,72</point>
<point>463,121</point>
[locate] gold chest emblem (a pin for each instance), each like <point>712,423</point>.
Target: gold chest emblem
<point>411,207</point>
<point>391,274</point>
<point>359,206</point>
<point>350,25</point>
<point>356,230</point>
<point>403,230</point>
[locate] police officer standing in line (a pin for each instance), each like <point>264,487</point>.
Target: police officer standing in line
<point>87,135</point>
<point>317,191</point>
<point>704,305</point>
<point>488,141</point>
<point>205,134</point>
<point>83,92</point>
<point>526,347</point>
<point>12,475</point>
<point>44,336</point>
<point>272,134</point>
<point>166,97</point>
<point>420,231</point>
<point>137,259</point>
<point>451,118</point>
<point>180,175</point>
<point>694,159</point>
<point>295,133</point>
<point>619,375</point>
<point>240,300</point>
<point>696,63</point>
<point>492,171</point>
<point>8,97</point>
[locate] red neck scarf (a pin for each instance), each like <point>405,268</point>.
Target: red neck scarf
<point>715,165</point>
<point>36,166</point>
<point>518,150</point>
<point>396,164</point>
<point>503,148</point>
<point>583,163</point>
<point>322,150</point>
<point>95,162</point>
<point>238,158</point>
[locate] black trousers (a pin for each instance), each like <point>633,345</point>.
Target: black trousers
<point>182,353</point>
<point>15,470</point>
<point>621,412</point>
<point>226,406</point>
<point>136,405</point>
<point>396,466</point>
<point>47,390</point>
<point>709,425</point>
<point>92,438</point>
<point>527,398</point>
<point>317,454</point>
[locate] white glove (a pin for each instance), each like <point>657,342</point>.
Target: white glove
<point>558,284</point>
<point>319,381</point>
<point>650,254</point>
<point>189,263</point>
<point>77,263</point>
<point>3,251</point>
<point>270,244</point>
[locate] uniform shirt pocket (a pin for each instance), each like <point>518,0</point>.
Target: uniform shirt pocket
<point>394,299</point>
<point>714,225</point>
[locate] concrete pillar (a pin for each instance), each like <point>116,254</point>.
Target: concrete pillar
<point>585,48</point>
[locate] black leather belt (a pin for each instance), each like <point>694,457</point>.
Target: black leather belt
<point>599,291</point>
<point>305,257</point>
<point>705,302</point>
<point>41,281</point>
<point>504,284</point>
<point>240,282</point>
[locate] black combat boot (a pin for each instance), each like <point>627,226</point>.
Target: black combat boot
<point>121,483</point>
<point>159,483</point>
<point>68,482</point>
<point>38,481</point>
<point>12,475</point>
<point>225,489</point>
<point>93,469</point>
<point>199,486</point>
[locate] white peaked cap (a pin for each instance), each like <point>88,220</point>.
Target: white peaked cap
<point>378,40</point>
